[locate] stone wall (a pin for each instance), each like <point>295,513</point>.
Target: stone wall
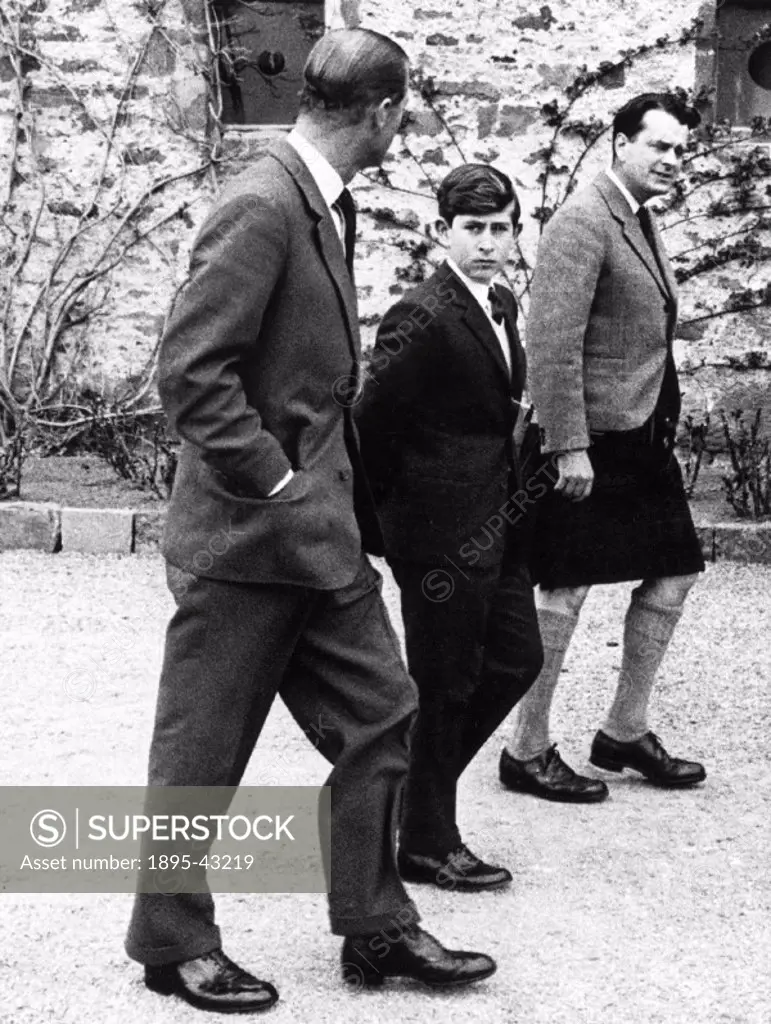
<point>115,167</point>
<point>111,145</point>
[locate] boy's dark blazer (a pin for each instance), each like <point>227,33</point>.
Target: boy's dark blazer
<point>436,423</point>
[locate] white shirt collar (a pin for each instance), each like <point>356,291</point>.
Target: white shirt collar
<point>479,291</point>
<point>635,206</point>
<point>328,181</point>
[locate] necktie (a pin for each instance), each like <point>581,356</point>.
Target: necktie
<point>347,208</point>
<point>646,223</point>
<point>644,217</point>
<point>496,306</point>
<point>669,397</point>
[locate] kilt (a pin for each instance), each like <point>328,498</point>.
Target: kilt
<point>635,525</point>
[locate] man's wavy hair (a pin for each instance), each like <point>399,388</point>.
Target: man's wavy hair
<point>349,70</point>
<point>629,119</point>
<point>476,189</point>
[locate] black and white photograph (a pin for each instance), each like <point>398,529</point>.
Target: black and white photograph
<point>385,511</point>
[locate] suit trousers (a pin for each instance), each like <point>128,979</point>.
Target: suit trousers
<point>333,658</point>
<point>473,653</point>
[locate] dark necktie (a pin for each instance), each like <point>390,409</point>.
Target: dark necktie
<point>644,217</point>
<point>496,306</point>
<point>347,208</point>
<point>646,223</point>
<point>669,398</point>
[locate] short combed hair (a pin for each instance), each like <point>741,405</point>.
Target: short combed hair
<point>351,69</point>
<point>629,120</point>
<point>476,189</point>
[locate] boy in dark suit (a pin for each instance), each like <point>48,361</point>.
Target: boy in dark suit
<point>437,422</point>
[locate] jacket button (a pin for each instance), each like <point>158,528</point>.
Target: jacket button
<point>344,474</point>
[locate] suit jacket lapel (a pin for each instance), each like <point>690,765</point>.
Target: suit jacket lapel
<point>633,233</point>
<point>327,239</point>
<point>478,323</point>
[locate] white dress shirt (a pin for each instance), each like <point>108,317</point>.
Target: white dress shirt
<point>328,181</point>
<point>479,292</point>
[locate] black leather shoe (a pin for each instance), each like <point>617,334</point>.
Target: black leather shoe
<point>647,756</point>
<point>461,870</point>
<point>212,982</point>
<point>549,777</point>
<point>367,960</point>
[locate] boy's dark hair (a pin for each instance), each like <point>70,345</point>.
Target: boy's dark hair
<point>628,121</point>
<point>350,69</point>
<point>476,189</point>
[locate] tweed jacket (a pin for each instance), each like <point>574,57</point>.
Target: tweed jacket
<point>257,367</point>
<point>601,320</point>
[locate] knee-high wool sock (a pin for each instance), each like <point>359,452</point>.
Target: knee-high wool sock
<point>648,629</point>
<point>531,730</point>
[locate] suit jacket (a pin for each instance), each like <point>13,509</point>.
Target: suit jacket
<point>601,321</point>
<point>436,422</point>
<point>251,366</point>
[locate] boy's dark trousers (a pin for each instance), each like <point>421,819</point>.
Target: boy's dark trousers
<point>473,655</point>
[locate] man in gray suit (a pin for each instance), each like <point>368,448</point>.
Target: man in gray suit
<point>264,536</point>
<point>602,318</point>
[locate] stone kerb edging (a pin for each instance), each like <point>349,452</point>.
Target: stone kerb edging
<point>41,526</point>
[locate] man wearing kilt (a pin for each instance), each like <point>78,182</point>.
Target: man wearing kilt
<point>602,318</point>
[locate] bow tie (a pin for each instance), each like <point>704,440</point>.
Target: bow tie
<point>496,306</point>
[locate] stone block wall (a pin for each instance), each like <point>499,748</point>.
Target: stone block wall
<point>117,153</point>
<point>104,173</point>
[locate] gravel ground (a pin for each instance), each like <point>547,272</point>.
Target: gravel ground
<point>652,907</point>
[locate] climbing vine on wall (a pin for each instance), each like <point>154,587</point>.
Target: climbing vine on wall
<point>62,256</point>
<point>723,194</point>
